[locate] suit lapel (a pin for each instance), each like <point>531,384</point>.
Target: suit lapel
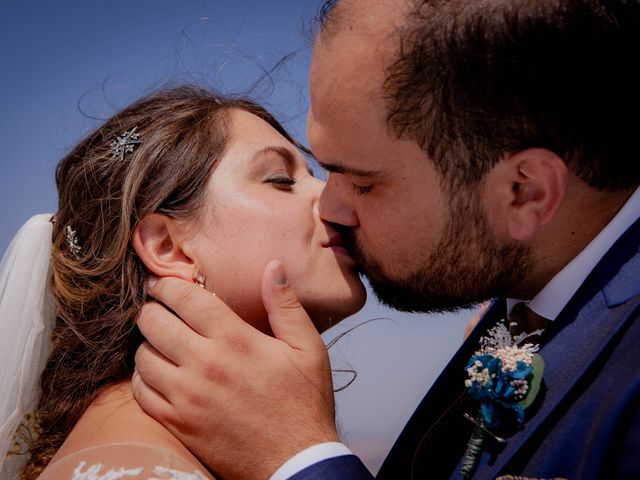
<point>435,451</point>
<point>590,325</point>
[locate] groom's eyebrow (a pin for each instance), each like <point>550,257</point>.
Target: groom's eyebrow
<point>343,169</point>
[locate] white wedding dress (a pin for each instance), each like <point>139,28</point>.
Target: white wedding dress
<point>124,461</point>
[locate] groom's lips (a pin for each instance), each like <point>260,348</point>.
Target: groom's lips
<point>335,243</point>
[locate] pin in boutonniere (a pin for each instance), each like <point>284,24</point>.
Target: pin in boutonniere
<point>504,375</point>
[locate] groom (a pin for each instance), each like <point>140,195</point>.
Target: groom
<point>476,150</point>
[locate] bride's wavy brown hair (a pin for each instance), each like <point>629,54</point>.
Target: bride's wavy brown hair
<point>100,291</point>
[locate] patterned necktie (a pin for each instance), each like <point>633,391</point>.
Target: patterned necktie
<point>525,320</point>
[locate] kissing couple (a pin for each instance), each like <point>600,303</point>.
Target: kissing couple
<point>169,311</point>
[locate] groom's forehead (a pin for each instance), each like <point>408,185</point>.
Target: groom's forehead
<point>365,16</point>
<point>361,38</point>
<point>330,15</point>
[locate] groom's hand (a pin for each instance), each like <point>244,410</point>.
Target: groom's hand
<point>241,401</point>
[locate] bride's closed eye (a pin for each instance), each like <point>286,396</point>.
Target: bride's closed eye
<point>282,182</point>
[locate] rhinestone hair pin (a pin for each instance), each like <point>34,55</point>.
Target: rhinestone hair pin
<point>72,241</point>
<point>124,143</point>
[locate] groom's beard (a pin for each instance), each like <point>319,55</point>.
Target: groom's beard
<point>468,266</point>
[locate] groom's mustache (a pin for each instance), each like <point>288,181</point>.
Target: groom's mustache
<point>352,245</point>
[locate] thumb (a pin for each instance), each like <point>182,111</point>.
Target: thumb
<point>289,321</point>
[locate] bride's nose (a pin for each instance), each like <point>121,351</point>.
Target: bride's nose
<point>317,186</point>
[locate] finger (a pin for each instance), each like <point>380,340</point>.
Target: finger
<point>156,370</point>
<point>166,332</point>
<point>289,321</point>
<point>150,400</point>
<point>203,312</point>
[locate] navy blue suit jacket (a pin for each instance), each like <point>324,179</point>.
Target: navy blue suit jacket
<point>585,423</point>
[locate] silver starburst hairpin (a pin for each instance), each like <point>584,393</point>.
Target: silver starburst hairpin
<point>124,143</point>
<point>72,241</point>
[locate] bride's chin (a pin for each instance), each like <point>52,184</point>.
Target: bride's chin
<point>327,316</point>
<point>324,322</point>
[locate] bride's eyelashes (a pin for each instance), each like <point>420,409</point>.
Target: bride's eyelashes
<point>283,183</point>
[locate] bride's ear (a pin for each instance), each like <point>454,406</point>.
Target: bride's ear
<point>158,241</point>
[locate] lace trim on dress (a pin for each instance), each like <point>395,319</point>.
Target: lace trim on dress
<point>178,475</point>
<point>93,473</point>
<point>124,460</point>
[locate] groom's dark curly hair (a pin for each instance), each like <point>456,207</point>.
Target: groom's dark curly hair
<point>473,81</point>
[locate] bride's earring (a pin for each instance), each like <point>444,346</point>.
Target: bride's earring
<point>199,278</point>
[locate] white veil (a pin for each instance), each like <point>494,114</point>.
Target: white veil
<point>26,320</point>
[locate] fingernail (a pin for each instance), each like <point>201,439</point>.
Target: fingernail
<point>279,277</point>
<point>151,281</point>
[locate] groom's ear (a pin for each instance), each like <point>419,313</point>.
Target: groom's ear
<point>526,190</point>
<point>158,241</point>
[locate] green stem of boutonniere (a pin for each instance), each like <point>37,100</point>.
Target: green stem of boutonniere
<point>474,448</point>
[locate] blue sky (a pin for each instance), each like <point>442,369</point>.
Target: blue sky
<point>67,64</point>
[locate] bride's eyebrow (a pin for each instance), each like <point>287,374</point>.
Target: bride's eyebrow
<point>283,152</point>
<point>280,151</point>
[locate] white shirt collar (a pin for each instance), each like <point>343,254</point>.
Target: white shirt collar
<point>555,295</point>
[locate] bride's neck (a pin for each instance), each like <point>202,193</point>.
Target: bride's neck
<point>115,417</point>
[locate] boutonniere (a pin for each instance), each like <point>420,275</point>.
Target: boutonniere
<point>504,375</point>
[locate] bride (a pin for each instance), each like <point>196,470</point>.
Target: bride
<point>183,183</point>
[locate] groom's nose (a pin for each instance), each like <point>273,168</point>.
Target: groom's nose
<point>335,206</point>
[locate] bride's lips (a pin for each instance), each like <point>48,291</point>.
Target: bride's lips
<point>335,244</point>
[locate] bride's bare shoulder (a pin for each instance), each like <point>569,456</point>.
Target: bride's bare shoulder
<point>116,436</point>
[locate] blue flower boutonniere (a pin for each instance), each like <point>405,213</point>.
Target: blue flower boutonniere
<point>504,375</point>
